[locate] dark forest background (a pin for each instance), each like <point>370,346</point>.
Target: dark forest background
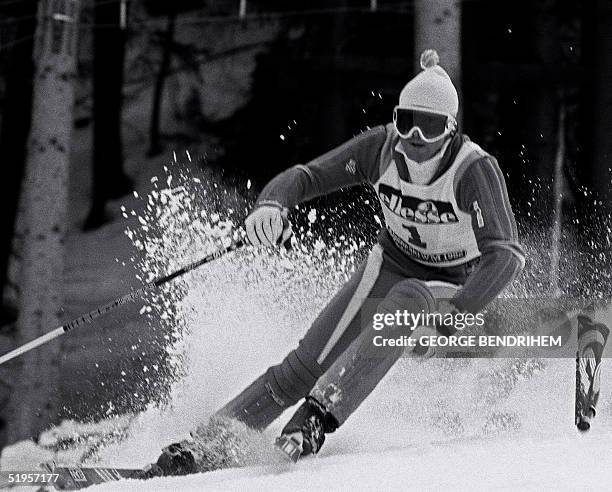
<point>257,91</point>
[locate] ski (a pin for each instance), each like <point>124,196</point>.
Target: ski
<point>592,338</point>
<point>78,477</point>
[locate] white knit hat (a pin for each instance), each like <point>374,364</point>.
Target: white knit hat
<point>431,89</point>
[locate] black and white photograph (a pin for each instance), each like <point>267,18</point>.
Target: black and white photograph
<point>305,245</point>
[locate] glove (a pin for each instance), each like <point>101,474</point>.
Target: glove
<point>422,350</point>
<point>446,307</point>
<point>267,225</point>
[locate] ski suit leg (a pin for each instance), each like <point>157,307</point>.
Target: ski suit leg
<point>359,369</point>
<point>283,385</point>
<point>334,341</point>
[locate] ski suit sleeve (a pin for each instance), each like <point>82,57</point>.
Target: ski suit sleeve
<point>354,162</point>
<point>481,192</point>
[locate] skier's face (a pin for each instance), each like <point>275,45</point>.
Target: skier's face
<point>418,150</point>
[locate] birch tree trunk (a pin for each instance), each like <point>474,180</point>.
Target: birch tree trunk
<point>437,25</point>
<point>13,138</point>
<point>15,128</point>
<point>45,190</point>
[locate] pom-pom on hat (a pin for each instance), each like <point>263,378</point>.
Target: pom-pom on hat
<point>431,89</point>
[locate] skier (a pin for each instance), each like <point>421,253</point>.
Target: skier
<point>450,245</point>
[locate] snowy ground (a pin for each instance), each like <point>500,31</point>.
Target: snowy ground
<point>568,463</point>
<point>440,425</point>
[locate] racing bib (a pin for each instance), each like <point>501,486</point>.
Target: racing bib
<point>424,220</point>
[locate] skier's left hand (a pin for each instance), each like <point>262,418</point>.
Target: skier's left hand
<point>443,307</point>
<point>422,349</point>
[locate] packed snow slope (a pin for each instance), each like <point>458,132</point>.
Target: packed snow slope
<point>435,424</point>
<point>565,463</point>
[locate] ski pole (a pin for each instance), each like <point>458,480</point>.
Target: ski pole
<point>102,310</point>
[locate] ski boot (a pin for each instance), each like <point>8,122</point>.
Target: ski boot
<point>175,459</point>
<point>220,443</point>
<point>304,434</point>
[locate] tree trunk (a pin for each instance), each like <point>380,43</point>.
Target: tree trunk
<point>437,25</point>
<point>545,101</point>
<point>45,197</point>
<point>13,141</point>
<point>597,102</point>
<point>109,180</point>
<point>155,145</point>
<point>14,132</point>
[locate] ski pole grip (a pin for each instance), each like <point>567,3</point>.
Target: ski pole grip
<point>287,243</point>
<point>285,239</point>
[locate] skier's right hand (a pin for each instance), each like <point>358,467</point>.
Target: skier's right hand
<point>267,225</point>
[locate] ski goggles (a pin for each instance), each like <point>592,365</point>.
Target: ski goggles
<point>431,125</point>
